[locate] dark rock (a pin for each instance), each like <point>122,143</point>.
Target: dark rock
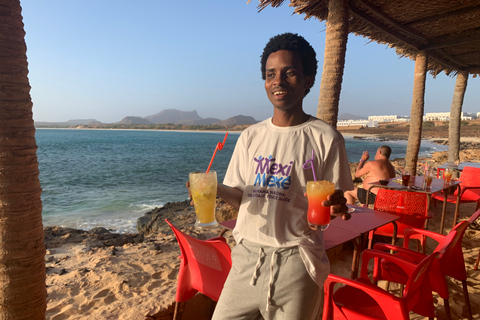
<point>154,220</point>
<point>96,237</point>
<point>180,214</point>
<point>154,247</point>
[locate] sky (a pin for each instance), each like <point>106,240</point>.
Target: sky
<point>108,59</point>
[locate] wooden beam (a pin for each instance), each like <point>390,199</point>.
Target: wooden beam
<point>443,42</point>
<point>451,14</point>
<point>446,59</point>
<point>381,16</point>
<point>365,17</point>
<point>441,56</point>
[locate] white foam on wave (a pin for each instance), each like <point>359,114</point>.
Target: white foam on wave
<point>124,221</point>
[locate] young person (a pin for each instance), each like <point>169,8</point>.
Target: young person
<point>279,263</point>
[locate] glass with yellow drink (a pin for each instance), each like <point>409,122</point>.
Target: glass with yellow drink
<point>317,191</point>
<point>203,187</point>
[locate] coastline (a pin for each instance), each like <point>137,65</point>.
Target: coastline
<point>403,137</point>
<point>136,129</point>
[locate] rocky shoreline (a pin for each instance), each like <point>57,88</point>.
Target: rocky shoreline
<point>149,225</point>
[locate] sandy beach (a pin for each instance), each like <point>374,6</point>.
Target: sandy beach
<point>130,277</point>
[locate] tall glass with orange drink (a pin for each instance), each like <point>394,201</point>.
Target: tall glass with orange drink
<point>447,175</point>
<point>317,191</point>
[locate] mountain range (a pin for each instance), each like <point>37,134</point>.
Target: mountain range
<point>167,116</point>
<point>172,116</point>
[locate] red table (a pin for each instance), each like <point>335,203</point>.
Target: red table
<point>341,231</point>
<point>460,167</point>
<point>416,184</point>
<point>363,221</point>
<point>333,236</point>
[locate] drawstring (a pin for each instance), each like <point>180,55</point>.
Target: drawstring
<point>270,283</point>
<point>257,267</point>
<point>261,254</point>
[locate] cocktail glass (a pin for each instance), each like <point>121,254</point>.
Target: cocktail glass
<point>447,175</point>
<point>203,187</point>
<point>428,178</point>
<point>317,191</point>
<point>406,177</point>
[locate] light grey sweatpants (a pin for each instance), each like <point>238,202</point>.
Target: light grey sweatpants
<point>268,282</point>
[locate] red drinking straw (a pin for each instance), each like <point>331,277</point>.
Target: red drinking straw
<point>218,147</point>
<point>309,164</point>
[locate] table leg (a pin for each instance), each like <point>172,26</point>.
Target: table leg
<point>394,235</point>
<point>429,201</point>
<point>457,205</point>
<point>357,251</point>
<point>444,210</point>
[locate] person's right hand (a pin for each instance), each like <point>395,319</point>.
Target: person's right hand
<point>365,156</point>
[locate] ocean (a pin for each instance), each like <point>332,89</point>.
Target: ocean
<point>109,178</point>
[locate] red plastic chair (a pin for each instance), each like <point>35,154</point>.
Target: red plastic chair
<point>451,263</point>
<point>411,207</point>
<point>361,299</point>
<point>204,267</point>
<point>470,188</point>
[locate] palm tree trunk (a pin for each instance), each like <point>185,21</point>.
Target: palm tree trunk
<point>22,249</point>
<point>416,114</point>
<point>334,62</point>
<point>455,116</point>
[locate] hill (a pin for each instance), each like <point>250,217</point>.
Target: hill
<point>239,120</point>
<point>349,116</point>
<point>134,120</point>
<point>173,116</point>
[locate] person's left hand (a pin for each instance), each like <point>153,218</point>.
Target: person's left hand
<point>337,203</point>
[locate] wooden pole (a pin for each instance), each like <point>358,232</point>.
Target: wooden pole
<point>334,62</point>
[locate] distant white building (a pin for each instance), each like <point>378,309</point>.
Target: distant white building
<point>468,116</point>
<point>363,123</point>
<point>390,118</point>
<point>445,116</point>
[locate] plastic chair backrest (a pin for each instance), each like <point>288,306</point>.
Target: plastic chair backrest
<point>204,266</point>
<point>419,282</point>
<point>470,177</point>
<point>474,216</point>
<point>409,206</point>
<point>452,261</point>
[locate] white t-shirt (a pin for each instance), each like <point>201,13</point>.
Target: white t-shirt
<point>267,164</point>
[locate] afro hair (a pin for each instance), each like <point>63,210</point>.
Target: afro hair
<point>291,42</point>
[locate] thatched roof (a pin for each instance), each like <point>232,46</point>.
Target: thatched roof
<point>448,29</point>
